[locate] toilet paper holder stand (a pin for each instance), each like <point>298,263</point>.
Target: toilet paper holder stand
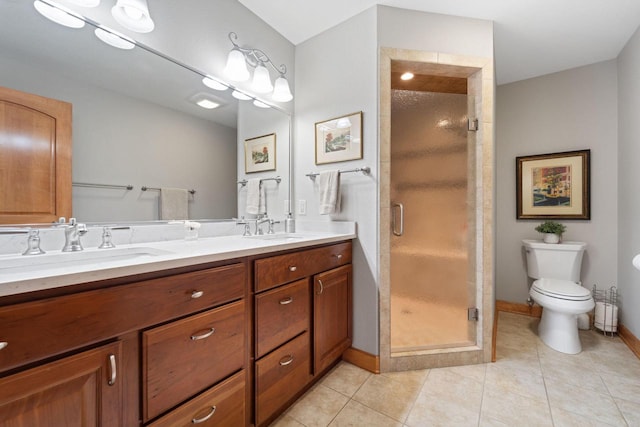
<point>605,317</point>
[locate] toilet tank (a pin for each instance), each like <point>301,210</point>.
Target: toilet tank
<point>554,261</point>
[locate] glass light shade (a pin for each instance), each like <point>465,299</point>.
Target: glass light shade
<point>236,68</point>
<point>260,104</point>
<point>115,39</point>
<point>261,80</point>
<point>214,84</point>
<point>133,15</point>
<point>86,3</point>
<point>241,96</point>
<point>281,91</point>
<point>58,14</point>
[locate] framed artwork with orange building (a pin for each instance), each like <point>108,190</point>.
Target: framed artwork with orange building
<point>553,186</point>
<point>260,153</point>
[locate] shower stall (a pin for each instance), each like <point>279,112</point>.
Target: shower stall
<point>432,275</point>
<point>436,210</point>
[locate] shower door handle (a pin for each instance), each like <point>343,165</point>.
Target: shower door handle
<point>398,207</point>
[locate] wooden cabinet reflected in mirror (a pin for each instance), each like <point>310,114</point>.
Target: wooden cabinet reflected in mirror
<point>35,158</point>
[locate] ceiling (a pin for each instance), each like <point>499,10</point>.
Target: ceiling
<point>531,37</point>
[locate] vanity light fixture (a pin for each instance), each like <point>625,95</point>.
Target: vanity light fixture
<point>406,76</point>
<point>114,38</point>
<point>214,83</point>
<point>58,13</point>
<point>241,96</point>
<point>236,70</point>
<point>133,15</point>
<point>260,104</point>
<point>85,3</point>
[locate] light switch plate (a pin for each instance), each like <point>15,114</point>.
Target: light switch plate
<point>302,207</point>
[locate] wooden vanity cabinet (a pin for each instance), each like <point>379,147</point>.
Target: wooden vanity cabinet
<point>80,390</point>
<point>181,334</point>
<point>302,322</point>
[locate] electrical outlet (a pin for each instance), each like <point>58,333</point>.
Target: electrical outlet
<point>302,207</point>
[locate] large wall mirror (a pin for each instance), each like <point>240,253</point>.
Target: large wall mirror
<point>136,121</point>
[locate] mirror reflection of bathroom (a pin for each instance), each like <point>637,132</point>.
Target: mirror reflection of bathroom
<point>433,280</point>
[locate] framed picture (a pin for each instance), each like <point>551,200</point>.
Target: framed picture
<point>553,186</point>
<point>339,139</point>
<point>260,153</point>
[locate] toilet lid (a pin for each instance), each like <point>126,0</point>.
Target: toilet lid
<point>564,289</point>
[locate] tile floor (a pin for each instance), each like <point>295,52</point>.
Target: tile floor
<point>529,385</point>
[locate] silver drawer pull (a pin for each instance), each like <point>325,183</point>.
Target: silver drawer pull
<point>339,256</point>
<point>112,369</point>
<point>287,360</point>
<point>196,294</point>
<point>203,336</point>
<point>3,344</point>
<point>293,268</point>
<point>205,418</point>
<point>287,300</point>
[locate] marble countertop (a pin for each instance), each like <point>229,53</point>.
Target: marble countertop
<point>21,274</point>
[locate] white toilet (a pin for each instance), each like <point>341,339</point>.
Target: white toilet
<point>556,268</point>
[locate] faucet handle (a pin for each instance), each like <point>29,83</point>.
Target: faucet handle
<point>272,222</point>
<point>106,239</point>
<point>33,243</point>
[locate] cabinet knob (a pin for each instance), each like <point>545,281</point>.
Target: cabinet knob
<point>287,300</point>
<point>287,360</point>
<point>339,256</point>
<point>203,336</point>
<point>205,418</point>
<point>293,268</point>
<point>196,294</point>
<point>3,344</point>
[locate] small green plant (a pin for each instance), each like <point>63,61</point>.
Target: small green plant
<point>551,227</point>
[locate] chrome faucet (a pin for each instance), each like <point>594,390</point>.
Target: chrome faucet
<point>247,228</point>
<point>72,233</point>
<point>261,219</point>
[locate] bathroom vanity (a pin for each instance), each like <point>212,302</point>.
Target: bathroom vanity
<point>229,338</point>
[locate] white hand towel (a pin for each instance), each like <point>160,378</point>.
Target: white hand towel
<point>174,203</point>
<point>256,200</point>
<point>329,183</point>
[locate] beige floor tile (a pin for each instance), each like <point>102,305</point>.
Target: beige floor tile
<point>474,372</point>
<point>630,411</point>
<point>285,420</point>
<point>318,407</point>
<point>346,378</point>
<point>528,383</point>
<point>486,421</point>
<point>577,374</point>
<point>357,415</point>
<point>387,396</point>
<point>515,409</point>
<point>589,403</point>
<point>562,418</point>
<point>411,378</point>
<point>447,398</point>
<point>627,388</point>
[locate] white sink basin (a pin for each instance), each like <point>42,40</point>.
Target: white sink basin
<point>47,261</point>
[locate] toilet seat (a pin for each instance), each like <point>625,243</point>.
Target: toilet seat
<point>561,289</point>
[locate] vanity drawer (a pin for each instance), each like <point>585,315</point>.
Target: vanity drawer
<point>281,314</point>
<point>187,356</point>
<point>280,375</point>
<point>222,405</point>
<point>40,329</point>
<point>277,270</point>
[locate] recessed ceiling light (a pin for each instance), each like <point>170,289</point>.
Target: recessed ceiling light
<point>406,76</point>
<point>206,100</point>
<point>58,13</point>
<point>208,104</point>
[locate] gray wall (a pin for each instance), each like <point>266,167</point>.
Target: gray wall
<point>628,179</point>
<point>570,110</point>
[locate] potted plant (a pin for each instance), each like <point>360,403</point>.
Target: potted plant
<point>552,231</point>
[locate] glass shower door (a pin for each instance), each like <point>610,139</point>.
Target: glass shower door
<point>433,211</point>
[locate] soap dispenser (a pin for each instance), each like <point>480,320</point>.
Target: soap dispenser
<point>289,224</point>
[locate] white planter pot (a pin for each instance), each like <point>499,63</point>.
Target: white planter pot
<point>551,238</point>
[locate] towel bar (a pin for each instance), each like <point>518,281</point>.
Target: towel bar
<point>365,170</point>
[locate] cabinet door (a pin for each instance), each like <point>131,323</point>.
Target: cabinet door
<point>79,390</point>
<point>331,316</point>
<point>35,158</point>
